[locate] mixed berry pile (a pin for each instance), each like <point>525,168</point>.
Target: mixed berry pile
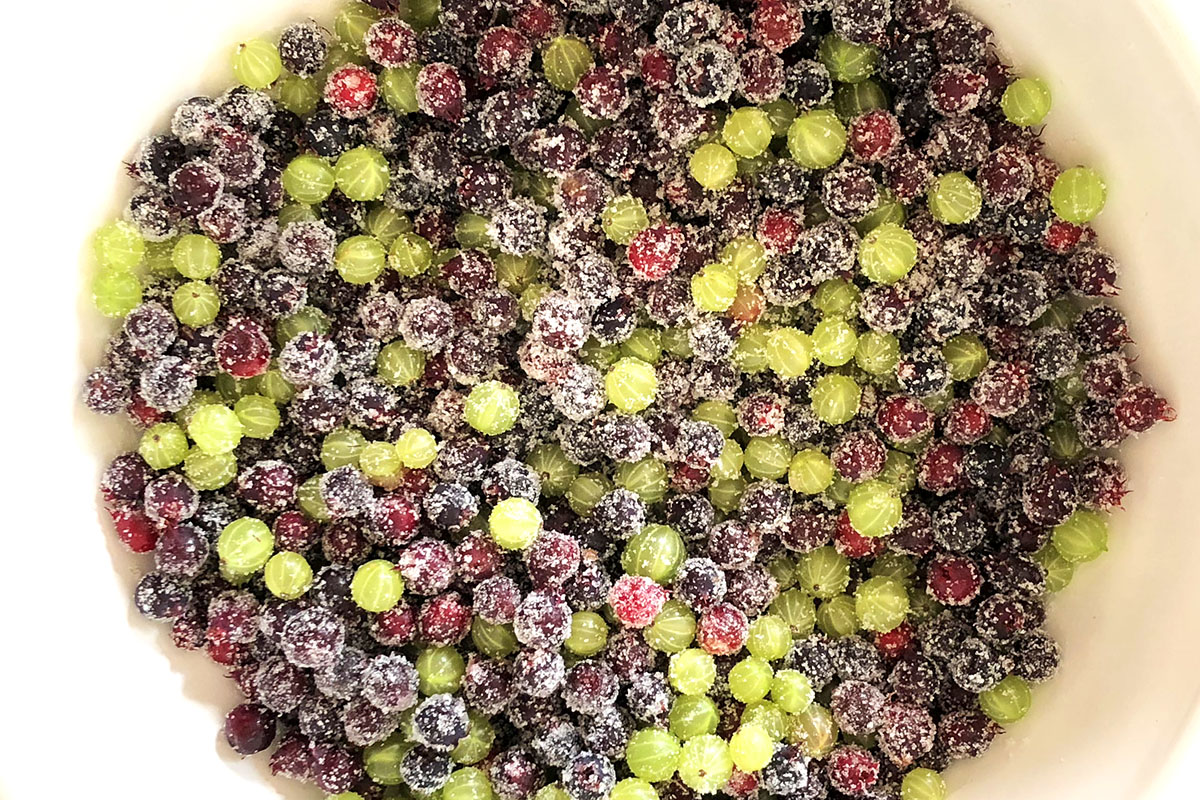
<point>616,398</point>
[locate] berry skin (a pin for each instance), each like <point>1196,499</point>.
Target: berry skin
<point>351,90</point>
<point>636,600</point>
<point>953,580</point>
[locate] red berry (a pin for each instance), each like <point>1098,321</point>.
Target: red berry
<point>777,25</point>
<point>440,92</point>
<point>903,418</point>
<point>965,422</point>
<point>741,784</point>
<point>390,42</point>
<point>722,629</point>
<point>655,251</point>
<point>295,531</point>
<point>859,456</point>
<point>351,91</point>
<point>142,414</point>
<point>445,620</point>
<point>779,231</point>
<point>502,55</point>
<point>1002,388</point>
<point>852,770</point>
<point>658,70</point>
<point>396,626</point>
<point>244,351</point>
<point>896,642</point>
<point>135,530</point>
<point>940,468</point>
<point>953,580</point>
<point>1062,237</point>
<point>601,93</point>
<point>538,19</point>
<point>1140,407</point>
<point>853,544</point>
<point>875,135</point>
<point>636,600</point>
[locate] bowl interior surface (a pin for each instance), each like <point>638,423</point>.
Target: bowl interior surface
<point>1125,102</point>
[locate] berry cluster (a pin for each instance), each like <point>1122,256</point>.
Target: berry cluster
<point>625,400</point>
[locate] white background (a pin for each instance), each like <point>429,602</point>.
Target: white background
<point>82,80</point>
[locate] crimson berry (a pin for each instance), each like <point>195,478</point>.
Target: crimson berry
<point>953,580</point>
<point>859,456</point>
<point>636,600</point>
<point>502,55</point>
<point>1140,407</point>
<point>965,422</point>
<point>658,69</point>
<point>903,418</point>
<point>441,92</point>
<point>940,468</point>
<point>135,530</point>
<point>896,642</point>
<point>875,135</point>
<point>390,42</point>
<point>351,90</point>
<point>722,629</point>
<point>777,25</point>
<point>244,351</point>
<point>852,770</point>
<point>853,544</point>
<point>655,251</point>
<point>779,231</point>
<point>444,620</point>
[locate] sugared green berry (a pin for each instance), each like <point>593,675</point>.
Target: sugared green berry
<point>256,64</point>
<point>376,586</point>
<point>1026,102</point>
<point>514,523</point>
<point>288,575</point>
<point>817,139</point>
<point>713,166</point>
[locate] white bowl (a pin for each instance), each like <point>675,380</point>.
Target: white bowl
<point>93,695</point>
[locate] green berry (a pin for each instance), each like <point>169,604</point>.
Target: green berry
<point>245,545</point>
<point>478,742</point>
<point>494,641</point>
<point>835,398</point>
<point>692,716</point>
<point>877,353</point>
<point>209,472</point>
<point>410,254</point>
<point>623,218</point>
<point>1079,195</point>
<point>288,575</point>
<point>692,671</point>
<point>810,472</point>
<point>813,731</point>
<point>116,292</point>
<point>646,478</point>
<point>258,415</point>
<point>308,497</point>
<point>308,179</point>
<point>874,508</point>
<point>467,783</point>
<point>341,448</point>
<point>633,789</point>
<point>887,253</point>
<point>298,95</point>
<point>796,609</point>
<point>846,61</point>
<point>789,352</point>
<point>715,287</point>
<point>836,298</point>
<point>417,448</point>
<point>750,679</point>
<point>770,638</point>
<point>655,552</point>
<point>382,759</point>
<point>713,166</point>
<point>589,634</point>
<point>555,470</point>
<point>672,630</point>
<point>195,304</point>
<point>768,715</point>
<point>881,604</point>
<point>705,764</point>
<point>817,139</point>
<point>379,461</point>
<point>791,691</point>
<point>747,132</point>
<point>256,64</point>
<point>163,446</point>
<point>823,573</point>
<point>215,429</point>
<point>837,617</point>
<point>362,174</point>
<point>360,259</point>
<point>966,356</point>
<point>954,199</point>
<point>118,246</point>
<point>398,87</point>
<point>1008,701</point>
<point>834,342</point>
<point>652,754</point>
<point>1026,102</point>
<point>1082,537</point>
<point>399,365</point>
<point>376,586</point>
<point>514,523</point>
<point>565,60</point>
<point>351,25</point>
<point>439,670</point>
<point>492,408</point>
<point>768,457</point>
<point>586,490</point>
<point>923,784</point>
<point>631,385</point>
